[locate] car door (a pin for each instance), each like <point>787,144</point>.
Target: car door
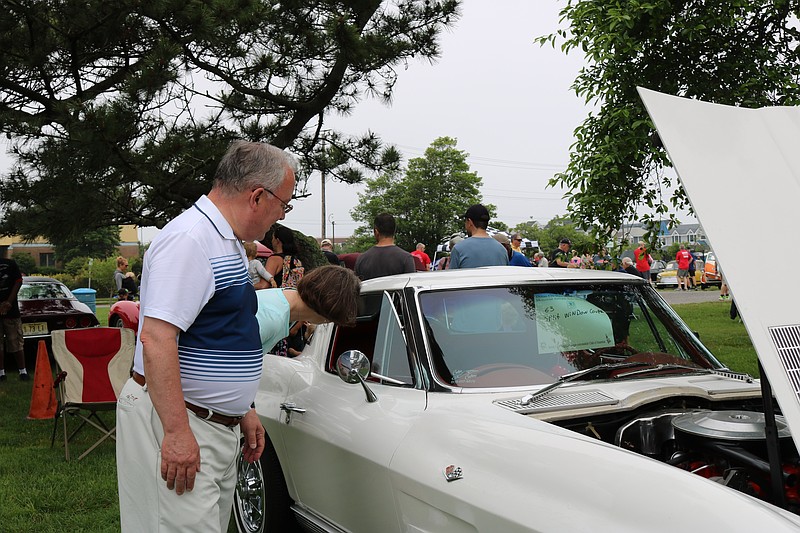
<point>339,450</point>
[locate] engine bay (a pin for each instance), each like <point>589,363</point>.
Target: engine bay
<point>723,442</point>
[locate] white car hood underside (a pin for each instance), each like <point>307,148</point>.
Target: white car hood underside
<point>741,171</point>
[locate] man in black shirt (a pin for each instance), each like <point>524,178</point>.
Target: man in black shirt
<point>11,337</point>
<point>385,258</point>
<point>559,258</point>
<point>327,248</point>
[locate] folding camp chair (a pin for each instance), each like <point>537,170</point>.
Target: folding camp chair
<point>93,365</point>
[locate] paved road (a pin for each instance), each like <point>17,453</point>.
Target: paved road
<point>673,297</point>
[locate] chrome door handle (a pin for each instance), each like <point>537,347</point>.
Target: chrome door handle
<point>289,408</point>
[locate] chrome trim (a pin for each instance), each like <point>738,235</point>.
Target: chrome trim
<point>312,522</point>
<point>557,402</point>
<point>290,408</point>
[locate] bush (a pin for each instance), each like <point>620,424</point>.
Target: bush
<point>102,276</point>
<point>25,261</point>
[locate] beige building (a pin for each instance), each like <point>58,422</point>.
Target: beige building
<point>42,252</point>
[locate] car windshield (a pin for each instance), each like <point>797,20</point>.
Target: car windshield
<point>534,334</point>
<point>43,291</point>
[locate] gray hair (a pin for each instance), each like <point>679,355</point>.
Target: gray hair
<point>627,261</point>
<point>250,165</point>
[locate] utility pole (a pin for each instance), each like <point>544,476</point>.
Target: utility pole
<point>322,190</point>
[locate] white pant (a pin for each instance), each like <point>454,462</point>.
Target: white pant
<point>145,503</point>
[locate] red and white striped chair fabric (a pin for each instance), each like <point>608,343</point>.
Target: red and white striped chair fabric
<point>93,365</point>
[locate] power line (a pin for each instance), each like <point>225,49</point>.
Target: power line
<point>496,162</point>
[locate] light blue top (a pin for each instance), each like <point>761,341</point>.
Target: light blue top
<point>272,316</point>
<point>477,252</point>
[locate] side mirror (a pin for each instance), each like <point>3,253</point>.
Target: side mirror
<point>353,367</point>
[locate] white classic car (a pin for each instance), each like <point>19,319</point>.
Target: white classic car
<point>511,399</point>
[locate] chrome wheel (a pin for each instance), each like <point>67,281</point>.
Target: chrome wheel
<point>249,499</point>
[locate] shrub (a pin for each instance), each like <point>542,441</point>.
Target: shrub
<point>25,261</point>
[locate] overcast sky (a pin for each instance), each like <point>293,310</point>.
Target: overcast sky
<point>505,99</point>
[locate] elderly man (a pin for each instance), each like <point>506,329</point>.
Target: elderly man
<point>420,254</point>
<point>559,258</point>
<point>327,250</point>
<point>627,266</point>
<point>198,355</point>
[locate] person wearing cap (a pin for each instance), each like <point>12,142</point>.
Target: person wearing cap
<point>327,249</point>
<point>514,258</point>
<point>479,249</point>
<point>385,258</point>
<point>559,258</point>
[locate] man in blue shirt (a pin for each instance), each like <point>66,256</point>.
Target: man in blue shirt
<point>515,258</point>
<point>479,249</point>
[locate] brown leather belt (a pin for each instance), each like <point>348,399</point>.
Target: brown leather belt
<point>201,412</point>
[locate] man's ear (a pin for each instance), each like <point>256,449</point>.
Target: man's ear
<point>257,196</point>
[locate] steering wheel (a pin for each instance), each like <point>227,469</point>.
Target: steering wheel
<point>623,347</point>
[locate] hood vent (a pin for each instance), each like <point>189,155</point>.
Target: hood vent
<point>787,342</point>
<point>557,402</point>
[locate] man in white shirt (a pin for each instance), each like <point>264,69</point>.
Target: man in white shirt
<point>198,355</point>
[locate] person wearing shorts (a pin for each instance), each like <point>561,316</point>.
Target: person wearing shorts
<point>683,257</point>
<point>11,339</point>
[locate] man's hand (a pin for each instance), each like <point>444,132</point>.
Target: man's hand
<point>253,433</point>
<point>180,461</point>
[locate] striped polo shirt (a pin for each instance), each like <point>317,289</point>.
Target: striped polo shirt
<point>195,277</point>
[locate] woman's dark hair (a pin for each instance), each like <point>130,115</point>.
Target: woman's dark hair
<point>285,235</point>
<point>331,291</point>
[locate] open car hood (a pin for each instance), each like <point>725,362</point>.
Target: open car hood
<point>741,171</point>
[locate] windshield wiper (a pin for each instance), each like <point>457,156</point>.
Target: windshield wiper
<point>673,366</point>
<point>665,366</point>
<point>566,378</point>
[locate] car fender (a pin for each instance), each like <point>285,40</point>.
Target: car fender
<point>127,311</point>
<point>521,474</point>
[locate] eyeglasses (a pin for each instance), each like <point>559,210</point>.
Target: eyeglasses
<point>518,240</point>
<point>286,206</point>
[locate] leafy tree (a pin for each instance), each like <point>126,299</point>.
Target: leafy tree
<point>119,110</point>
<point>735,52</point>
<point>98,243</point>
<point>25,262</point>
<point>560,227</point>
<point>428,200</point>
<point>499,225</point>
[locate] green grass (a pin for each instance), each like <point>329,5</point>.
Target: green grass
<point>41,492</point>
<point>727,339</point>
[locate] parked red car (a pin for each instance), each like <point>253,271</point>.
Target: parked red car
<point>46,304</point>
